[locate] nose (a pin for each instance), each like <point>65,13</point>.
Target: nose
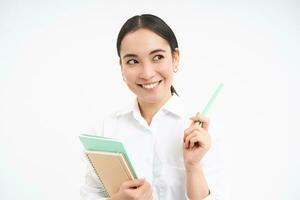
<point>147,71</point>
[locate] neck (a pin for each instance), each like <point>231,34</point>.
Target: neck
<point>148,110</point>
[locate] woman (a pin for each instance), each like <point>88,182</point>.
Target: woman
<point>165,146</point>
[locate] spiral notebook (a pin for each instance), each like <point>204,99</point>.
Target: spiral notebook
<point>109,160</point>
<point>111,168</point>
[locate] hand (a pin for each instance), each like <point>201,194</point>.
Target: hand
<point>196,141</point>
<point>138,189</point>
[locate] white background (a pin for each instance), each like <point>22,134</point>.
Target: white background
<point>59,75</point>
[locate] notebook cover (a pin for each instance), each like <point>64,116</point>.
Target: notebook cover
<point>111,168</point>
<point>104,144</point>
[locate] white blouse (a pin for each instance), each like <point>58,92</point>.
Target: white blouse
<point>156,152</point>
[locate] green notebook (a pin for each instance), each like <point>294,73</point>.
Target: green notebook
<point>99,143</point>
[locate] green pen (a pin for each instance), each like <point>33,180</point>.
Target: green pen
<point>212,98</point>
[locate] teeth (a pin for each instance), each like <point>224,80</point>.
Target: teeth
<point>150,86</point>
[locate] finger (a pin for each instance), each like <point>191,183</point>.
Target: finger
<point>204,120</point>
<point>202,140</point>
<point>144,186</point>
<point>133,183</point>
<point>143,189</point>
<point>190,130</point>
<point>151,195</point>
<point>148,194</point>
<point>201,117</point>
<point>188,138</point>
<point>202,133</point>
<point>196,139</point>
<point>204,124</point>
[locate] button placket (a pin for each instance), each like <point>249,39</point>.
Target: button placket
<point>157,164</point>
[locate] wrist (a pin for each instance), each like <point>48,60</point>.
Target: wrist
<point>193,168</point>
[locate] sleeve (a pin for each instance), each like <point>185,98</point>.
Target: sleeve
<point>92,188</point>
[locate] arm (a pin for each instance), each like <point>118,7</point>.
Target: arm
<point>204,175</point>
<point>197,142</point>
<point>197,187</point>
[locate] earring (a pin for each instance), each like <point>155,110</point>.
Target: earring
<point>175,69</point>
<point>124,79</point>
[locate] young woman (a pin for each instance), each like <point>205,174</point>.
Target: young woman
<point>166,148</point>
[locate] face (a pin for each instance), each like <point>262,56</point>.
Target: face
<point>147,65</point>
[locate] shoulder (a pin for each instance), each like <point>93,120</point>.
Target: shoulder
<point>118,113</point>
<point>109,121</point>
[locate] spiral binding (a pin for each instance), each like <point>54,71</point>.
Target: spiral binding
<point>102,187</point>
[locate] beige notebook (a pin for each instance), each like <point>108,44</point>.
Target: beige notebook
<point>111,168</point>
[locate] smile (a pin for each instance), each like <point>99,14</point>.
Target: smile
<point>151,85</point>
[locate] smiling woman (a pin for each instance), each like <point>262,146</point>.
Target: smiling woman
<point>148,71</point>
<point>165,147</point>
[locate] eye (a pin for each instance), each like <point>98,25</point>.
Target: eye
<point>158,57</point>
<point>132,62</point>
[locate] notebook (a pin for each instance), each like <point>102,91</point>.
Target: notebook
<point>111,168</point>
<point>109,160</point>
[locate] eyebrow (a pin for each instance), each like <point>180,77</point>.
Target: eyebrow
<point>152,52</point>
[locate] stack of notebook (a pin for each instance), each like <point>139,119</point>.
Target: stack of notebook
<point>109,160</point>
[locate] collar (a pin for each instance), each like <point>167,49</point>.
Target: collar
<point>174,106</point>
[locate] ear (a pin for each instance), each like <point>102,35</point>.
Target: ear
<point>176,57</point>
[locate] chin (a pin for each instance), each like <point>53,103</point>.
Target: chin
<point>152,99</point>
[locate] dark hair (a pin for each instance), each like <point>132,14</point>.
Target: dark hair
<point>153,23</point>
